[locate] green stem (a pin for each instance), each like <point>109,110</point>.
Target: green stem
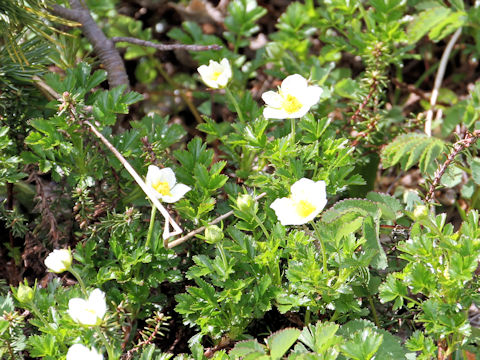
<point>79,279</point>
<point>475,196</point>
<point>335,316</point>
<point>42,318</point>
<point>322,247</point>
<point>108,346</point>
<point>235,104</point>
<point>307,317</point>
<point>174,85</point>
<point>412,300</point>
<point>292,133</point>
<point>259,222</point>
<point>374,311</point>
<point>151,226</point>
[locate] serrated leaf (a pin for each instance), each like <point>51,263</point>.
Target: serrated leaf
<point>371,233</point>
<point>361,206</point>
<point>475,166</point>
<point>390,206</point>
<point>280,342</point>
<point>243,348</point>
<point>413,148</point>
<point>425,21</point>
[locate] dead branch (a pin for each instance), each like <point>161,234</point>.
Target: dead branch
<point>467,141</point>
<point>165,47</point>
<point>103,46</point>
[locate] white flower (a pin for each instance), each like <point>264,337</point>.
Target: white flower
<point>59,261</point>
<point>216,75</point>
<point>88,312</point>
<point>293,99</point>
<point>164,183</point>
<point>306,201</point>
<point>81,352</point>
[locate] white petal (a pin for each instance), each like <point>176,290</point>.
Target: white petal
<point>178,191</point>
<point>96,302</point>
<point>59,260</point>
<point>77,309</point>
<point>272,113</point>
<point>312,95</point>
<point>152,174</point>
<point>295,85</point>
<point>311,191</point>
<point>204,71</point>
<point>227,69</point>
<point>167,175</point>
<point>81,352</point>
<point>285,210</point>
<point>298,114</point>
<point>223,80</point>
<point>272,99</point>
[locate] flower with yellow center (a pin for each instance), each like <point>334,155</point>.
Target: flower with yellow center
<point>88,312</point>
<point>293,99</point>
<point>216,75</point>
<point>307,200</point>
<point>164,182</point>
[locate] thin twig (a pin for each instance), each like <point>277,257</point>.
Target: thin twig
<point>146,189</point>
<point>467,141</point>
<point>438,80</point>
<point>165,47</point>
<point>200,229</point>
<point>373,88</point>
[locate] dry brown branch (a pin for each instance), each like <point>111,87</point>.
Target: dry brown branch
<point>165,47</point>
<point>103,46</point>
<point>200,229</point>
<point>467,141</point>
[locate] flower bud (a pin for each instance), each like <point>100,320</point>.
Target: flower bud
<point>245,202</point>
<point>59,261</point>
<point>213,234</point>
<point>421,211</point>
<point>25,293</point>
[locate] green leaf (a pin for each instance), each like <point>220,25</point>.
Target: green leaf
<point>371,228</point>
<point>475,166</point>
<point>280,342</point>
<point>363,345</point>
<point>413,148</point>
<point>425,21</point>
<point>361,206</point>
<point>244,348</point>
<point>347,88</point>
<point>390,206</point>
<point>393,289</point>
<point>321,338</point>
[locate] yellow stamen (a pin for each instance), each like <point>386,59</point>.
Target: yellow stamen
<point>291,104</point>
<point>162,187</point>
<point>304,208</point>
<point>216,75</point>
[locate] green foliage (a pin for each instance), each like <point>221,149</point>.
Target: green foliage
<point>411,149</point>
<point>247,277</point>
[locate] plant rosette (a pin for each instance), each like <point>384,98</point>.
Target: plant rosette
<point>307,200</point>
<point>59,261</point>
<point>216,75</point>
<point>81,352</point>
<point>293,99</point>
<point>88,312</point>
<point>164,184</point>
